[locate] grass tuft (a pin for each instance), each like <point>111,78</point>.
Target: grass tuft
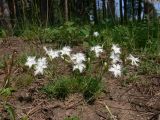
<point>23,80</point>
<point>62,87</point>
<point>72,118</point>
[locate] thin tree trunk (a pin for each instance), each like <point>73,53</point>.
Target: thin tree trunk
<point>121,11</point>
<point>12,7</point>
<point>5,17</point>
<point>95,11</point>
<point>139,9</point>
<point>66,10</point>
<point>133,10</point>
<point>125,11</point>
<point>104,9</point>
<point>23,9</point>
<point>111,9</point>
<point>47,13</point>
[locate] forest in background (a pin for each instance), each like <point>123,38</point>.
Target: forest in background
<point>56,12</point>
<point>135,22</point>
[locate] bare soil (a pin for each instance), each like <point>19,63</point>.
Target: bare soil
<point>135,101</point>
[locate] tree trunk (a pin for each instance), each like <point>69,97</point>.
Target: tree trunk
<point>133,10</point>
<point>5,19</point>
<point>139,9</point>
<point>95,11</point>
<point>47,14</point>
<point>104,9</point>
<point>121,11</point>
<point>43,11</point>
<point>11,4</point>
<point>66,10</point>
<point>125,11</point>
<point>111,9</point>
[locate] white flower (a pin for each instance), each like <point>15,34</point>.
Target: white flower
<point>116,70</point>
<point>66,51</point>
<point>80,67</point>
<point>97,49</point>
<point>42,61</point>
<point>40,66</point>
<point>115,57</point>
<point>30,61</point>
<point>133,60</point>
<point>52,53</point>
<point>78,58</point>
<point>96,34</point>
<point>46,50</point>
<point>116,49</point>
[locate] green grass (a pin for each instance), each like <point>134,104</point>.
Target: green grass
<point>72,118</point>
<point>6,91</point>
<point>132,79</point>
<point>142,36</point>
<point>90,87</point>
<point>69,33</point>
<point>23,80</point>
<point>2,33</point>
<point>149,67</point>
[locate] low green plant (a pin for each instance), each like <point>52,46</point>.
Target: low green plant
<point>91,89</point>
<point>2,65</point>
<point>72,118</point>
<point>62,87</point>
<point>20,61</point>
<point>10,111</point>
<point>2,33</point>
<point>23,80</point>
<point>149,67</point>
<point>25,117</point>
<point>31,32</point>
<point>68,33</point>
<point>6,91</point>
<point>130,80</point>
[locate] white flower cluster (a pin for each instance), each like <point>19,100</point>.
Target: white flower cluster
<point>115,56</point>
<point>97,49</point>
<point>78,60</point>
<point>39,65</point>
<point>116,67</point>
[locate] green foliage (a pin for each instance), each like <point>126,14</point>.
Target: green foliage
<point>10,111</point>
<point>72,118</point>
<point>23,80</point>
<point>25,117</point>
<point>6,91</point>
<point>63,86</point>
<point>149,67</point>
<point>135,35</point>
<point>49,35</point>
<point>20,61</point>
<point>69,33</point>
<point>2,65</point>
<point>60,89</point>
<point>30,32</point>
<point>123,36</point>
<point>2,33</point>
<point>91,89</point>
<point>130,80</point>
<point>142,35</point>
